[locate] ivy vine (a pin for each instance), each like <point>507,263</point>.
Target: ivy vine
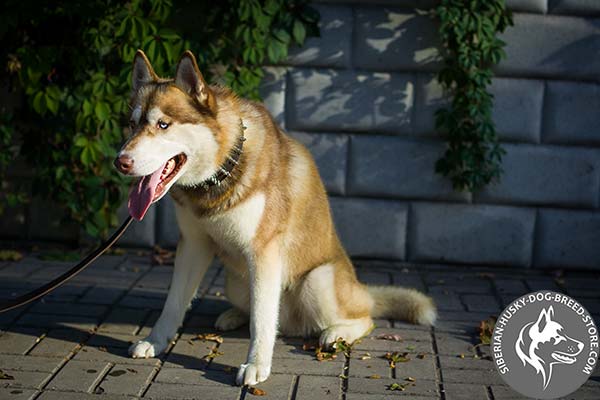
<point>468,30</point>
<point>72,62</point>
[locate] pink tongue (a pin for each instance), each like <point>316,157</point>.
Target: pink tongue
<point>141,195</point>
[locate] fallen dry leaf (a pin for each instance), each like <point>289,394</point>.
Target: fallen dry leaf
<point>396,357</point>
<point>410,379</point>
<point>133,371</point>
<point>374,376</point>
<point>214,352</point>
<point>5,376</point>
<point>309,346</point>
<point>486,330</point>
<point>366,356</point>
<point>211,337</point>
<point>162,256</point>
<point>102,348</point>
<point>421,356</point>
<point>256,391</point>
<point>390,336</point>
<point>10,255</point>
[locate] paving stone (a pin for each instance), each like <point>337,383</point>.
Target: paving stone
<point>446,233</point>
<point>481,303</point>
<point>455,345</point>
<point>108,339</point>
<point>277,386</point>
<point>170,391</point>
<point>468,362</point>
<point>461,391</point>
<point>123,320</point>
<point>408,280</point>
<point>422,345</point>
<point>17,394</point>
<point>189,353</point>
<point>339,100</point>
<point>447,301</point>
<point>363,368</point>
<point>505,393</point>
<point>59,342</point>
<point>115,355</point>
<point>374,278</point>
<point>510,286</point>
<point>30,363</point>
<point>127,380</point>
<point>69,309</point>
<point>56,395</point>
<point>317,388</point>
<point>462,327</point>
<point>472,376</point>
<point>547,175</point>
<point>551,46</point>
<point>102,295</point>
<point>18,340</point>
<point>474,317</point>
<point>25,379</point>
<point>57,321</point>
<point>79,376</point>
<point>195,377</point>
<point>567,239</point>
<point>374,163</point>
<point>307,367</point>
<point>422,387</point>
<point>333,47</point>
<point>370,228</point>
<point>145,303</point>
<point>395,39</point>
<point>330,152</point>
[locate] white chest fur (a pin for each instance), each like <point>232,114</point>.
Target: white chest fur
<point>232,230</point>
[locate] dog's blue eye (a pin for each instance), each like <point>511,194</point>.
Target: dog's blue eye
<point>162,124</point>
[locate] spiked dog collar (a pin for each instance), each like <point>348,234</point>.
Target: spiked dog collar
<point>230,163</point>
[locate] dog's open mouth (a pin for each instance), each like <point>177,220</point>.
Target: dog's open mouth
<point>152,187</point>
<point>563,358</point>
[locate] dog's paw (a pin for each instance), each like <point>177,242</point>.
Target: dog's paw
<point>231,319</point>
<point>252,373</point>
<point>146,349</point>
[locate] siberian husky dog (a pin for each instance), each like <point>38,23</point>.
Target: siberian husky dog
<point>249,194</point>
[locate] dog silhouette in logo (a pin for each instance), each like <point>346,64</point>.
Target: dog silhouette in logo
<point>544,343</point>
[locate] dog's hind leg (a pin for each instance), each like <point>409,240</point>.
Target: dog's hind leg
<point>237,291</point>
<point>193,258</point>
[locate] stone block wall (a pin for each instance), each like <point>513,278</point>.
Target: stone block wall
<point>362,98</point>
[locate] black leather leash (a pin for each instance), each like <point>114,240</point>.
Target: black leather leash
<point>83,264</point>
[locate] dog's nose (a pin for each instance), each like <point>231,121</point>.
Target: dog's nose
<point>124,163</point>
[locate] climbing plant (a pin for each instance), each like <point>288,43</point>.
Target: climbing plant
<point>469,34</point>
<point>71,61</point>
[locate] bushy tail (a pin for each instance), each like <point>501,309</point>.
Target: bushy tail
<point>401,303</point>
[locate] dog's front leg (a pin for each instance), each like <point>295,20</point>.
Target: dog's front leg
<point>192,259</point>
<point>265,292</point>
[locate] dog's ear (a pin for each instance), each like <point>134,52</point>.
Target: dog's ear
<point>189,79</point>
<point>544,318</point>
<point>142,71</point>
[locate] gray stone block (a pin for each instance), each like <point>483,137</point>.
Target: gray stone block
<point>318,388</point>
<point>517,110</point>
<point>386,166</point>
<point>574,7</point>
<point>395,39</point>
<point>139,233</point>
<point>19,340</point>
<point>570,113</point>
<point>330,152</point>
<point>551,46</point>
<point>161,391</point>
<point>547,175</point>
<point>567,239</point>
<point>79,376</point>
<point>471,234</point>
<point>330,100</point>
<point>371,228</point>
<point>333,47</point>
<point>127,380</point>
<point>272,92</point>
<point>534,6</point>
<point>167,230</point>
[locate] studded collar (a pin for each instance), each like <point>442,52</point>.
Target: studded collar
<point>231,161</point>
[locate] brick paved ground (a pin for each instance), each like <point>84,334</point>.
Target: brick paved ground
<point>72,345</point>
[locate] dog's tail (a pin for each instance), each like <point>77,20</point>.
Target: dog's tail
<point>402,303</point>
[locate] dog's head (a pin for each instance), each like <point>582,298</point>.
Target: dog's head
<point>173,132</point>
<point>544,343</point>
